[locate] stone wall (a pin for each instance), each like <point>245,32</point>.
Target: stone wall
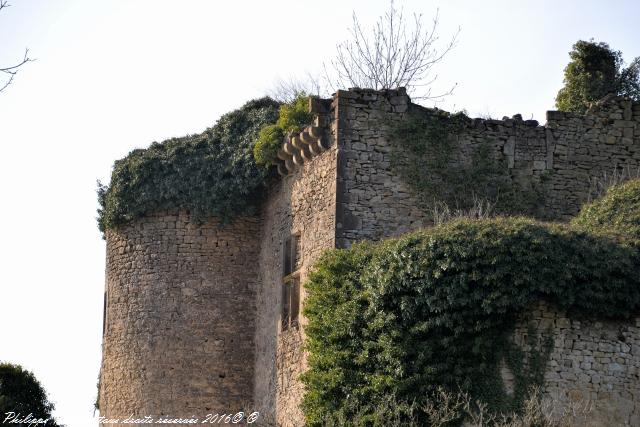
<point>180,317</point>
<point>593,365</point>
<point>301,203</point>
<point>565,159</point>
<point>583,149</point>
<point>559,164</point>
<point>372,200</point>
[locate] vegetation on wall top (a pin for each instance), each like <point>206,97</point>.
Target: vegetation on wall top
<point>212,173</point>
<point>292,118</point>
<point>215,173</point>
<point>399,318</point>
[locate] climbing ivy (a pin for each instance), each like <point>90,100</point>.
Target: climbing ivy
<point>528,368</point>
<point>437,307</point>
<point>215,173</point>
<point>432,162</point>
<point>212,173</point>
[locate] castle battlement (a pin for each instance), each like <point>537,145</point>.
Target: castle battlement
<point>202,318</point>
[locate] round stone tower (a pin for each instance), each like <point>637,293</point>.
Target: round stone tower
<point>179,317</point>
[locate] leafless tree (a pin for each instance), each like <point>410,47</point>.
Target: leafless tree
<point>11,71</point>
<point>286,90</point>
<point>393,56</point>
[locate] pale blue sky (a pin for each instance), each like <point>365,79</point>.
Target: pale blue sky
<point>112,76</point>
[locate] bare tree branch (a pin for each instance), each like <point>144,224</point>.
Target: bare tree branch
<point>12,70</point>
<point>289,89</point>
<point>391,57</point>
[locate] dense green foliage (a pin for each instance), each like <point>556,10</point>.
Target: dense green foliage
<point>427,156</point>
<point>292,118</point>
<point>436,308</point>
<point>213,173</point>
<point>21,392</point>
<point>269,142</point>
<point>617,212</point>
<point>595,71</point>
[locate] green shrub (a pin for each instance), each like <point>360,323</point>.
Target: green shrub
<point>22,394</point>
<point>436,308</point>
<point>292,117</point>
<point>213,173</point>
<point>617,212</point>
<point>268,143</point>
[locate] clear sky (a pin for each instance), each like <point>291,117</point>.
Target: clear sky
<point>111,76</point>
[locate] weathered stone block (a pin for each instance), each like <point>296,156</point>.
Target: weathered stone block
<point>555,115</point>
<point>539,165</point>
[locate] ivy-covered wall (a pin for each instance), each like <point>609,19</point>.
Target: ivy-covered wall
<point>439,307</point>
<point>398,159</point>
<point>592,363</point>
<point>395,159</point>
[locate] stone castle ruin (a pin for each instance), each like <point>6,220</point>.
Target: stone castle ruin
<point>201,318</point>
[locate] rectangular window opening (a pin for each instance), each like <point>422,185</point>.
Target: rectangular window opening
<point>292,262</point>
<point>104,313</point>
<point>286,301</point>
<point>295,300</point>
<point>292,256</point>
<point>287,257</point>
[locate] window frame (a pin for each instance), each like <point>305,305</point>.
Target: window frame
<point>292,264</point>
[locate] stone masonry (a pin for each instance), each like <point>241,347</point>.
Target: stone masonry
<point>180,317</point>
<point>594,366</point>
<point>302,203</point>
<point>193,311</point>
